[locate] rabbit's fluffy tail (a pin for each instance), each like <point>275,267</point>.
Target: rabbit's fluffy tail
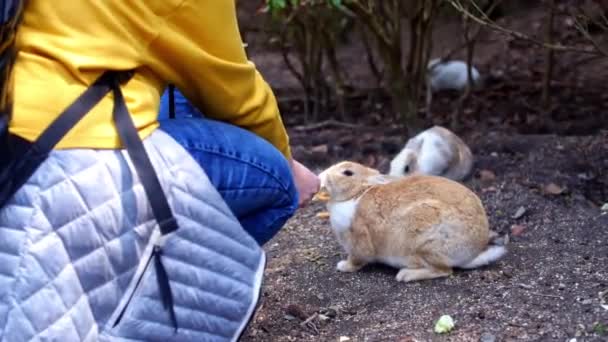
<point>495,251</point>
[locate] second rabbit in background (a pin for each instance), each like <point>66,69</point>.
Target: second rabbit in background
<point>436,151</point>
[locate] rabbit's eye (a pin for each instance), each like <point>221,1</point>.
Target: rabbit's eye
<point>406,169</point>
<point>347,173</point>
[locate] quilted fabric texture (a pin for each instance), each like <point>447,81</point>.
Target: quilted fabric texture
<point>75,240</point>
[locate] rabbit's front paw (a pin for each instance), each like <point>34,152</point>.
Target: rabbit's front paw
<point>348,266</point>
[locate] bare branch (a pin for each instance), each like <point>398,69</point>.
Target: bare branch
<point>324,124</point>
<point>549,58</point>
<point>368,16</point>
<point>583,29</point>
<point>484,20</point>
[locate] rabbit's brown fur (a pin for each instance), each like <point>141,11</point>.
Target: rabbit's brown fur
<point>424,225</point>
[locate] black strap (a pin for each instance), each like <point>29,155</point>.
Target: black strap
<point>20,159</point>
<point>141,161</point>
<point>156,196</point>
<point>171,101</point>
<point>77,110</point>
<point>25,158</point>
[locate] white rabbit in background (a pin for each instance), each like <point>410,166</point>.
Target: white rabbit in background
<point>435,151</point>
<point>445,75</point>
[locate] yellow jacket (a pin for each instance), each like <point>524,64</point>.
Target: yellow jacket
<point>195,44</point>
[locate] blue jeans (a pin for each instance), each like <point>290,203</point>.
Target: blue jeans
<point>251,175</point>
<point>183,108</point>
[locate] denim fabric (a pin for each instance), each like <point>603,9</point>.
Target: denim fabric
<point>183,108</point>
<point>250,174</point>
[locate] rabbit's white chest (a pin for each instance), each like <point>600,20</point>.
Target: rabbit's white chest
<point>341,214</point>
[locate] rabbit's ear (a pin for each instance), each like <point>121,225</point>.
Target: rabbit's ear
<point>381,179</point>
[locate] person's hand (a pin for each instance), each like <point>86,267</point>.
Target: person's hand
<point>306,182</point>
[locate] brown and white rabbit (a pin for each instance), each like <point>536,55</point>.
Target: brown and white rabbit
<point>435,151</point>
<point>423,225</point>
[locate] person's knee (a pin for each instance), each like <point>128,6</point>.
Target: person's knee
<point>265,223</point>
<point>252,176</point>
<point>277,168</point>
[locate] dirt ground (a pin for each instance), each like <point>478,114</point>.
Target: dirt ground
<point>549,288</point>
<point>544,185</point>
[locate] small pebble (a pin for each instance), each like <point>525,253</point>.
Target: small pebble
<point>323,318</point>
<point>517,229</point>
<point>519,213</point>
<point>331,312</point>
<point>487,337</point>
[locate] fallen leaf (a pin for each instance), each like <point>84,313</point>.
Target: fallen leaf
<point>320,149</point>
<point>444,324</point>
<point>517,229</point>
<point>553,189</point>
<point>487,176</point>
<point>295,311</point>
<point>519,213</point>
<point>313,255</point>
<point>323,214</point>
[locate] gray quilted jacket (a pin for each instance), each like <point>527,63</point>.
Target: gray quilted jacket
<point>74,246</point>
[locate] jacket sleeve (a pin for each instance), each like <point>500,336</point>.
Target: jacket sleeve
<point>199,49</point>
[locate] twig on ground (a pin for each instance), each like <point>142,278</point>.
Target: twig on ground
<point>546,295</point>
<point>530,287</point>
<point>324,124</point>
<point>513,324</point>
<point>525,286</point>
<point>310,325</point>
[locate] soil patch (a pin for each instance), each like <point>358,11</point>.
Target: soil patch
<point>549,288</point>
